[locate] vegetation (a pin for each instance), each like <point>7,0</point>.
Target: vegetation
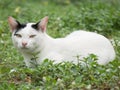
<point>65,16</point>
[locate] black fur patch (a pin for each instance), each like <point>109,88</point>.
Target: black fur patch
<point>35,26</point>
<point>19,27</point>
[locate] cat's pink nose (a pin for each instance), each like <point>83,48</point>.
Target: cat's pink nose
<point>24,43</point>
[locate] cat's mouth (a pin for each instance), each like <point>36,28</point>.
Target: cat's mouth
<point>24,48</point>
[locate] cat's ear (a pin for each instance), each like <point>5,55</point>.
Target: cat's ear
<point>12,23</point>
<point>42,25</point>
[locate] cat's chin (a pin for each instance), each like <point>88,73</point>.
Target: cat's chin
<point>26,49</point>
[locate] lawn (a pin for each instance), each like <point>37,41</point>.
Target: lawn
<point>65,16</point>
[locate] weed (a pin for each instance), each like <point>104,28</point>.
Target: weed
<point>65,16</point>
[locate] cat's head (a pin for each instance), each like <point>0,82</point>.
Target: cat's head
<point>27,36</point>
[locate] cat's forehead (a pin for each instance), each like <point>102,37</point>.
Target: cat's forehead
<point>26,28</point>
<point>29,26</point>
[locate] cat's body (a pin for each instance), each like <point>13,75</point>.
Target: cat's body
<point>32,39</point>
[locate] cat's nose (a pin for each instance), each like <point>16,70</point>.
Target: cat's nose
<point>24,44</point>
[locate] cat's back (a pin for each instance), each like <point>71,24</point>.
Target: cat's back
<point>81,33</point>
<point>83,40</point>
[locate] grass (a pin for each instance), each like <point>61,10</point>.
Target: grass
<point>65,16</point>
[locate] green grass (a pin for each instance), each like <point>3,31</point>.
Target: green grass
<point>65,16</point>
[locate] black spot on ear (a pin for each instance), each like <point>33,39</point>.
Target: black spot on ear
<point>19,27</point>
<point>35,26</point>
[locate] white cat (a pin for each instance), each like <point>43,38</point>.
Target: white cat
<point>31,39</point>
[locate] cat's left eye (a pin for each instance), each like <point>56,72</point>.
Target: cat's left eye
<point>32,36</point>
<point>18,35</point>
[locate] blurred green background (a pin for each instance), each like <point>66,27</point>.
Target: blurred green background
<point>65,16</point>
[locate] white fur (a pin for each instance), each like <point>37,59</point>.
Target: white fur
<point>80,43</point>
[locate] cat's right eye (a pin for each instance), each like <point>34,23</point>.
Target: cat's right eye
<point>32,36</point>
<point>18,35</point>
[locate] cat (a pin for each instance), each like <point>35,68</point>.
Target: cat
<point>31,39</point>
